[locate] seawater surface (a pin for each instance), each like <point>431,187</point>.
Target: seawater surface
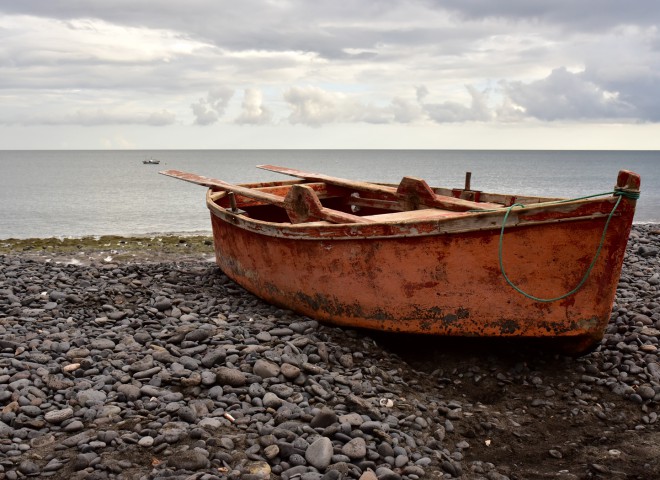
<point>79,193</point>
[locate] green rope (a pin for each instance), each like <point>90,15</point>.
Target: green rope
<point>617,192</point>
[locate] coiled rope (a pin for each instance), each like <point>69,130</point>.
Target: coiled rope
<point>617,192</point>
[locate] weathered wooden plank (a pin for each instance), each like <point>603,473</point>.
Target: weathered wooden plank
<point>302,204</point>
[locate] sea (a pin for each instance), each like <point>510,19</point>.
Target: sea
<point>79,193</point>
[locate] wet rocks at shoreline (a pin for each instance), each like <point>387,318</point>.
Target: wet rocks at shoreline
<point>170,370</point>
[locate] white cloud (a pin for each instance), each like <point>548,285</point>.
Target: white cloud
<point>254,112</point>
<point>313,106</point>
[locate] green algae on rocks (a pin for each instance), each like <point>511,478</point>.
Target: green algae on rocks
<point>121,248</point>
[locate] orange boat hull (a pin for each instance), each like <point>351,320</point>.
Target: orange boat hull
<point>440,276</point>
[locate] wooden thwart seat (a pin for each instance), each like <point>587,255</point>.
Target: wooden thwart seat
<point>302,204</point>
<point>423,214</point>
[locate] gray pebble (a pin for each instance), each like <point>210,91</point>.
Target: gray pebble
<point>28,467</point>
<point>270,400</point>
<point>91,397</point>
<point>266,369</point>
<point>58,416</point>
<point>231,377</point>
<point>355,449</point>
<point>319,453</point>
<point>324,418</point>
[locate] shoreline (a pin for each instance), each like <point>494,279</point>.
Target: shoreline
<point>113,248</point>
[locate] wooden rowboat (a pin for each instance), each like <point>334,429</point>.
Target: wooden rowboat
<point>415,259</point>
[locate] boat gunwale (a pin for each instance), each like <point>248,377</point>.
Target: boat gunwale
<point>415,227</point>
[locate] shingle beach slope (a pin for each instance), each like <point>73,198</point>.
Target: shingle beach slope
<point>169,370</point>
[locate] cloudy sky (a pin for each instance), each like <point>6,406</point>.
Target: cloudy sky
<point>560,74</point>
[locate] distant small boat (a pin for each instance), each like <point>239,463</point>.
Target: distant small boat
<point>150,161</point>
<point>416,259</point>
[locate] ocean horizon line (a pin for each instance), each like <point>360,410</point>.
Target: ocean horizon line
<point>327,149</point>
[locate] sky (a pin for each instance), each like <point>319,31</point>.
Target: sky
<point>408,74</point>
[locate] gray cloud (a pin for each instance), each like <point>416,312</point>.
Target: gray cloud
<point>591,14</point>
<point>636,85</point>
<point>568,96</point>
<point>203,114</point>
<point>406,111</point>
<point>209,110</point>
<point>249,24</point>
<point>329,26</point>
<point>451,111</point>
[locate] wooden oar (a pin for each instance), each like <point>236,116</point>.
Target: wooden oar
<point>299,204</point>
<point>213,182</point>
<point>411,191</point>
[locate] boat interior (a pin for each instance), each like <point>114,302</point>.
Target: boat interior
<point>316,197</point>
<point>344,201</point>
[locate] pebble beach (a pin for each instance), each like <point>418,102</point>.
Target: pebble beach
<point>117,365</point>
